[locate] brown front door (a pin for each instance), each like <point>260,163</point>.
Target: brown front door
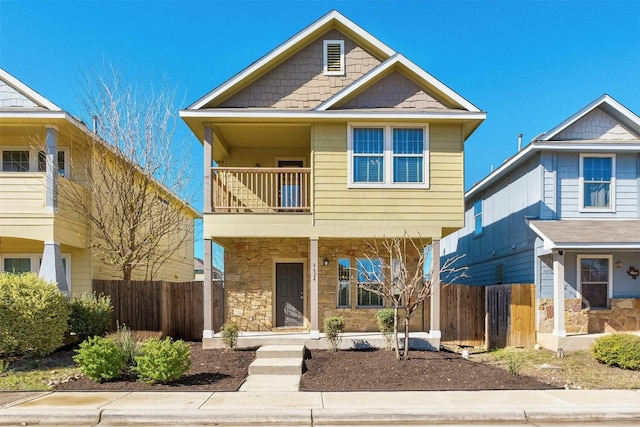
<point>289,296</point>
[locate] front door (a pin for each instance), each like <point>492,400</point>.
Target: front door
<point>289,296</point>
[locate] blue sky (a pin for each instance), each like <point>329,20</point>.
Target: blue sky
<point>529,65</point>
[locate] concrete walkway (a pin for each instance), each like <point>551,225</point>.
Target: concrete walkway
<point>514,407</point>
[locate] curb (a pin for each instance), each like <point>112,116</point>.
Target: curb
<point>407,416</point>
<point>49,416</point>
<point>581,414</point>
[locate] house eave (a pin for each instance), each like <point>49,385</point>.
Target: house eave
<point>214,114</point>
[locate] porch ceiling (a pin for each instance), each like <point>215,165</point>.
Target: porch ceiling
<point>588,234</point>
<point>265,135</point>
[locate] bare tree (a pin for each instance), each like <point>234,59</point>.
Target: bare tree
<point>395,270</point>
<point>131,174</point>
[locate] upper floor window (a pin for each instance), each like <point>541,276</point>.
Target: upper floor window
<point>28,161</point>
<point>597,186</point>
<point>333,57</point>
<point>384,156</point>
<point>477,217</point>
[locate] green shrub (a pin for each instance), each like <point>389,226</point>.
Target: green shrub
<point>385,319</point>
<point>229,333</point>
<point>162,361</point>
<point>333,327</point>
<point>33,315</point>
<point>100,359</point>
<point>621,350</point>
<point>90,315</point>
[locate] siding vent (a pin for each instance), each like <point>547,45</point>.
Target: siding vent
<point>334,57</point>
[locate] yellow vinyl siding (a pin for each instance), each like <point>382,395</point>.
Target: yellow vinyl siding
<point>440,205</point>
<point>21,193</point>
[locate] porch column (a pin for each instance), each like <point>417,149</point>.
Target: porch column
<point>51,268</point>
<point>558,295</point>
<point>434,328</point>
<point>208,152</point>
<point>51,171</point>
<point>207,290</point>
<point>313,287</point>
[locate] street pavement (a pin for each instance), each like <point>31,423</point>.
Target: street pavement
<point>513,407</point>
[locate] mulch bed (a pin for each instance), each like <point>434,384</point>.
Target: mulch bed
<point>346,370</point>
<point>211,370</point>
<point>378,370</point>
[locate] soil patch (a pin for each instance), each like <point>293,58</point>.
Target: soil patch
<point>378,370</point>
<point>211,370</point>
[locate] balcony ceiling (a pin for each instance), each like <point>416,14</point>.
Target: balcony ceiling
<point>265,136</point>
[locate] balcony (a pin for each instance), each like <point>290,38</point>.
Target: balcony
<point>260,190</point>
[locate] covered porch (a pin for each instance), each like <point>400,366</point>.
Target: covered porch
<point>587,281</point>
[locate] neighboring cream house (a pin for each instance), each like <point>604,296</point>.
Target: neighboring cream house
<point>329,141</point>
<point>39,232</point>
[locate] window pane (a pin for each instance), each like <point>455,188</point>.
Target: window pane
<point>407,169</point>
<point>597,195</point>
<point>477,217</point>
<point>597,168</point>
<point>17,265</point>
<point>344,266</point>
<point>407,141</point>
<point>42,162</point>
<point>594,295</point>
<point>369,270</point>
<point>367,298</point>
<point>368,141</point>
<point>368,169</point>
<point>15,161</point>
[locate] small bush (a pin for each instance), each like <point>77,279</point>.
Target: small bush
<point>162,361</point>
<point>33,315</point>
<point>100,359</point>
<point>621,350</point>
<point>385,318</point>
<point>333,327</point>
<point>229,333</point>
<point>90,315</point>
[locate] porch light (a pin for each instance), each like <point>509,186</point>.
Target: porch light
<point>325,262</point>
<point>619,264</point>
<point>633,272</point>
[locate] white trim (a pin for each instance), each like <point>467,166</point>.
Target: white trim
<point>426,78</point>
<point>36,259</point>
<point>325,58</point>
<point>333,16</point>
<point>27,91</point>
<point>579,258</point>
<point>388,156</point>
<point>34,157</point>
<point>332,115</point>
<point>612,189</point>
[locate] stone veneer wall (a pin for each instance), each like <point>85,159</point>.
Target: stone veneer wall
<point>623,315</point>
<point>249,282</point>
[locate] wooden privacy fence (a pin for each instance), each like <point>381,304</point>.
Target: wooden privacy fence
<point>494,316</point>
<point>170,308</point>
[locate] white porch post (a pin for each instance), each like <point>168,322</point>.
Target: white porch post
<point>51,268</point>
<point>434,328</point>
<point>207,285</point>
<point>313,287</point>
<point>51,170</point>
<point>558,295</point>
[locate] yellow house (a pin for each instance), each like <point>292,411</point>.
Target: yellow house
<point>41,149</point>
<point>329,141</point>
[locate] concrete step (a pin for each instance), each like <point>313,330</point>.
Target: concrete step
<point>276,366</point>
<point>271,383</point>
<point>280,351</point>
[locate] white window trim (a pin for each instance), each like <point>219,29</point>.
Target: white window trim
<point>388,156</point>
<point>35,262</point>
<point>325,58</point>
<point>579,273</point>
<point>33,158</point>
<point>581,207</point>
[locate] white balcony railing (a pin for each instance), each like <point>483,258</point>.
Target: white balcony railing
<point>260,190</point>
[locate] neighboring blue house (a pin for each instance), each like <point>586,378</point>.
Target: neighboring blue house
<point>564,213</point>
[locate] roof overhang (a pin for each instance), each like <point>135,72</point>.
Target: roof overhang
<point>588,234</point>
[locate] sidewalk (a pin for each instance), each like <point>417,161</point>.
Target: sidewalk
<point>315,408</point>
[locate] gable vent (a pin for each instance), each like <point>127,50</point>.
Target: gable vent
<point>334,57</point>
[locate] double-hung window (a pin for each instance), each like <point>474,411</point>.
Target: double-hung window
<point>21,160</point>
<point>477,217</point>
<point>597,186</point>
<point>15,161</point>
<point>388,156</point>
<point>370,277</point>
<point>594,277</point>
